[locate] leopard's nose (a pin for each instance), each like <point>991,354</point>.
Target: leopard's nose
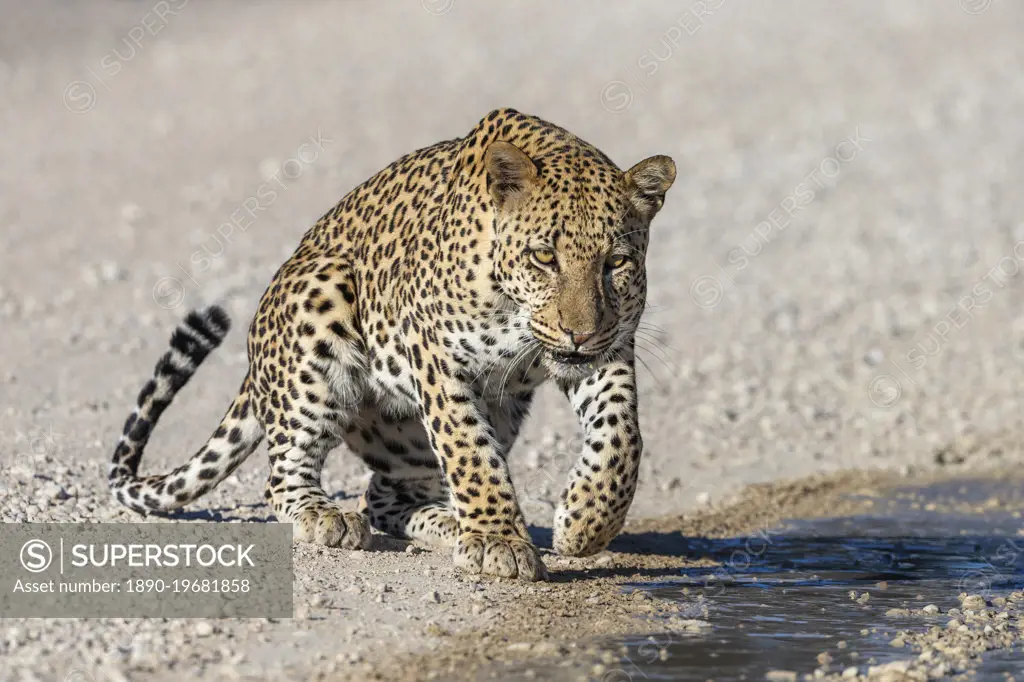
<point>578,338</point>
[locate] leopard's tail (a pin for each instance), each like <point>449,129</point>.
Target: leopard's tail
<point>237,436</point>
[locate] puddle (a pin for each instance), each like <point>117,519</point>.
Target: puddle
<point>782,595</point>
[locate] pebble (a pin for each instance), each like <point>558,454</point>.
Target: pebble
<point>674,483</point>
<point>432,597</point>
<point>204,629</point>
<point>131,212</point>
<point>887,668</point>
<point>780,676</point>
<point>51,491</point>
<point>690,624</point>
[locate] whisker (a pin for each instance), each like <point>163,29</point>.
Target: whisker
<point>653,337</point>
<point>663,360</point>
<point>508,371</point>
<point>648,368</point>
<point>626,234</point>
<point>489,365</point>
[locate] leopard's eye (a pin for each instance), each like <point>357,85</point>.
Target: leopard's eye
<point>616,262</point>
<point>544,256</point>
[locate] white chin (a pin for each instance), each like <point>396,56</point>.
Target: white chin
<point>567,372</point>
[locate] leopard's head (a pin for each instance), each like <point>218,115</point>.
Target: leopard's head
<point>571,242</point>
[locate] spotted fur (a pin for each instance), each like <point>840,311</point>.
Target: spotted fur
<point>413,324</point>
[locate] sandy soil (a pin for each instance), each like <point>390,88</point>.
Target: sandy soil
<point>835,277</point>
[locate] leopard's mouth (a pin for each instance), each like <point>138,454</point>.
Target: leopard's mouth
<point>571,357</point>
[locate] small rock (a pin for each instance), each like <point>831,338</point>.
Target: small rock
<point>432,597</point>
<point>692,624</point>
<point>931,608</point>
<point>269,167</point>
<point>204,629</point>
<point>780,676</point>
<point>873,357</point>
<point>674,483</point>
<point>51,491</point>
<point>131,212</point>
<point>435,630</point>
<point>885,671</point>
<point>110,271</point>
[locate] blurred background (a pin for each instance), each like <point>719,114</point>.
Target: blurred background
<point>835,279</point>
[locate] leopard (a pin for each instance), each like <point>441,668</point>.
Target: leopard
<point>413,325</point>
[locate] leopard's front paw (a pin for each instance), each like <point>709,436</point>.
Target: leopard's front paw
<point>497,555</point>
<point>583,534</point>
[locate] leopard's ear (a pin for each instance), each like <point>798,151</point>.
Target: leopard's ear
<point>647,182</point>
<point>511,174</point>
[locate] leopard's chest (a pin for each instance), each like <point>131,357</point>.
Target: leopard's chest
<point>502,359</point>
<point>499,358</point>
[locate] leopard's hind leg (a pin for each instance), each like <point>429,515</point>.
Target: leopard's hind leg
<point>407,497</point>
<point>309,375</point>
<point>412,509</point>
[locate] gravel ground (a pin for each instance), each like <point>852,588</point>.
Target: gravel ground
<point>835,277</point>
<point>976,626</point>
